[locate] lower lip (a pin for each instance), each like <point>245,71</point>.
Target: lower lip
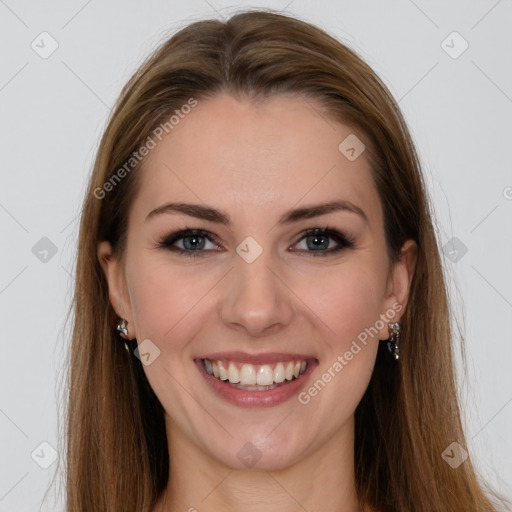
<point>269,398</point>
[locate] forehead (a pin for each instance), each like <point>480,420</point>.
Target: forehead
<point>254,158</point>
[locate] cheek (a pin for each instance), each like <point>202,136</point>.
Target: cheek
<point>155,304</point>
<point>349,309</point>
<point>168,307</point>
<point>348,300</point>
<point>166,300</point>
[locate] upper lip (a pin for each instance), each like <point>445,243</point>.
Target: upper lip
<point>261,358</point>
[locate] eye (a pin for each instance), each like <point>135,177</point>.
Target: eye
<point>317,241</point>
<point>192,241</point>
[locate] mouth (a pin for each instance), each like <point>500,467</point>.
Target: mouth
<point>255,377</point>
<point>264,380</point>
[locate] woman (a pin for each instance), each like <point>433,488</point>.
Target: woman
<point>255,224</point>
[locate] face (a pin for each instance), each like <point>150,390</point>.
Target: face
<point>256,288</point>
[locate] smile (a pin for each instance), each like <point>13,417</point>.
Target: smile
<point>255,377</point>
<point>262,380</point>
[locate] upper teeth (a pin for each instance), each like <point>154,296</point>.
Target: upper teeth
<point>248,374</point>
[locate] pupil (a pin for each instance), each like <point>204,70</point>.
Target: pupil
<point>194,241</point>
<point>320,245</point>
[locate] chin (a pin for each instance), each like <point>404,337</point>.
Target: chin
<point>259,451</point>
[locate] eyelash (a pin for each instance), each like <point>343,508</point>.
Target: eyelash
<point>344,241</point>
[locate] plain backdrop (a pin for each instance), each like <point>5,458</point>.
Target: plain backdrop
<point>63,65</point>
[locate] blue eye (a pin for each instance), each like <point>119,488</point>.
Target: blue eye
<point>317,239</point>
<point>193,242</point>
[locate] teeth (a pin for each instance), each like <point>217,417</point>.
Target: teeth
<point>250,376</point>
<point>254,388</point>
<point>215,370</point>
<point>279,372</point>
<point>223,373</point>
<point>265,376</point>
<point>288,372</point>
<point>233,374</point>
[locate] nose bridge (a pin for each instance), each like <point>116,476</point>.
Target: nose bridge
<point>256,299</point>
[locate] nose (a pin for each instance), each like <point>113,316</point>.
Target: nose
<point>256,299</point>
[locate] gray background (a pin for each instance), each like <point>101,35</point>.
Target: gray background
<point>53,110</point>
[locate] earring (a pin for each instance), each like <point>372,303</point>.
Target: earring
<point>394,340</point>
<point>123,332</point>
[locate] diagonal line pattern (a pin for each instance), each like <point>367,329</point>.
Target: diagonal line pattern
<point>14,76</point>
<point>485,426</point>
<point>285,490</point>
<point>492,81</point>
<point>76,14</point>
<point>70,222</point>
<point>424,14</point>
<point>217,486</point>
<point>13,279</point>
<point>280,423</point>
<point>14,423</point>
<point>287,5</point>
<point>67,271</point>
<point>418,82</point>
<point>13,217</point>
<point>492,211</point>
<point>13,13</point>
<point>220,15</point>
<point>85,84</point>
<point>14,486</point>
<point>485,15</point>
<point>493,287</point>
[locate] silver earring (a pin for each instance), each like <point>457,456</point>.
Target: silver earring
<point>121,328</point>
<point>394,340</point>
<point>123,332</point>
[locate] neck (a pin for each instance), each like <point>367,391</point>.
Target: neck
<point>322,480</point>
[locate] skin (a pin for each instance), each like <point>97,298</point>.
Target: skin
<point>255,162</point>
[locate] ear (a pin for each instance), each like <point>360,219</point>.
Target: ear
<point>398,286</point>
<point>117,289</point>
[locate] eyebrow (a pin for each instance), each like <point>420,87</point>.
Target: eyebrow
<point>213,215</point>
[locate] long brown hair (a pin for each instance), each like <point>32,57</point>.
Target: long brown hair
<point>117,454</point>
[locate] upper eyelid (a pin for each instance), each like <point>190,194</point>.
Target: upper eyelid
<point>184,233</point>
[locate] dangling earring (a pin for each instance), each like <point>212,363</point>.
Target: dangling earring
<point>394,340</point>
<point>123,332</point>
